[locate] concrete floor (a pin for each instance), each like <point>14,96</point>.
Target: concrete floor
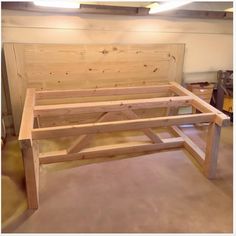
<point>158,192</point>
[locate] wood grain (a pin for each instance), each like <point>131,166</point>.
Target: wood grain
<point>61,66</point>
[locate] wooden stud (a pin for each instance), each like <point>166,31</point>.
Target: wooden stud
<point>212,146</point>
<point>110,150</point>
<point>151,134</point>
<point>190,146</point>
<point>90,107</point>
<point>14,84</point>
<point>31,167</point>
<point>84,140</point>
<point>198,103</point>
<point>54,94</point>
<point>138,124</point>
<point>30,151</point>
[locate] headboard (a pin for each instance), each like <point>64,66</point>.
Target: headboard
<point>61,66</point>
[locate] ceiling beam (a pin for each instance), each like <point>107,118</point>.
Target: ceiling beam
<point>118,10</point>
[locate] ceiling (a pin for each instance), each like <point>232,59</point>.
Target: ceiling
<point>209,10</point>
<point>208,6</point>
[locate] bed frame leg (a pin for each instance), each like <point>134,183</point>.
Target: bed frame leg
<point>31,165</point>
<point>212,145</point>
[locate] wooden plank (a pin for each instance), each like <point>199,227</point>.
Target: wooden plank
<point>53,94</point>
<point>31,167</point>
<point>221,119</point>
<point>61,66</point>
<point>84,140</point>
<point>30,151</point>
<point>27,121</point>
<point>109,69</point>
<point>212,147</point>
<point>190,146</point>
<point>78,108</point>
<point>110,150</point>
<point>198,103</point>
<point>151,134</point>
<point>14,84</point>
<point>172,111</point>
<point>138,124</point>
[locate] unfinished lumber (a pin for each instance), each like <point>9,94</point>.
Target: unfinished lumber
<point>107,122</point>
<point>67,67</point>
<point>54,94</point>
<point>109,150</point>
<point>190,146</point>
<point>14,84</point>
<point>113,126</point>
<point>172,110</point>
<point>85,139</point>
<point>30,151</point>
<point>221,119</point>
<point>151,134</point>
<point>212,147</point>
<point>90,107</point>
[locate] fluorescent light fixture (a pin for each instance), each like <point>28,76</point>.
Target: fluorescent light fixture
<point>229,9</point>
<point>170,5</point>
<point>58,3</point>
<point>153,5</point>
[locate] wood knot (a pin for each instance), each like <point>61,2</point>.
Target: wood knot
<point>104,51</point>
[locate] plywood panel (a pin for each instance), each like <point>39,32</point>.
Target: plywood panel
<point>61,66</point>
<point>204,52</point>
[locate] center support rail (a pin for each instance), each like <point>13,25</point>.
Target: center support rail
<point>29,135</point>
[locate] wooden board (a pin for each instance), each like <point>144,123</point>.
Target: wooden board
<point>60,66</point>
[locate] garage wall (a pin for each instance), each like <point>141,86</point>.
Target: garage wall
<point>208,43</point>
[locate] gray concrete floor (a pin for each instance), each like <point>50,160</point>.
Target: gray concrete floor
<point>158,192</point>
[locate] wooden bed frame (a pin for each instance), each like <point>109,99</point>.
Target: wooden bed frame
<point>31,132</point>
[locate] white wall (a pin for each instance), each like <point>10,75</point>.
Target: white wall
<point>209,43</point>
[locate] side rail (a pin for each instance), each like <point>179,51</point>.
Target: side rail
<point>208,160</point>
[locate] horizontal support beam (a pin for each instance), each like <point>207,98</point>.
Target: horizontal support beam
<point>190,146</point>
<point>109,150</point>
<point>221,119</point>
<point>57,94</point>
<point>89,107</point>
<point>113,126</point>
<point>83,9</point>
